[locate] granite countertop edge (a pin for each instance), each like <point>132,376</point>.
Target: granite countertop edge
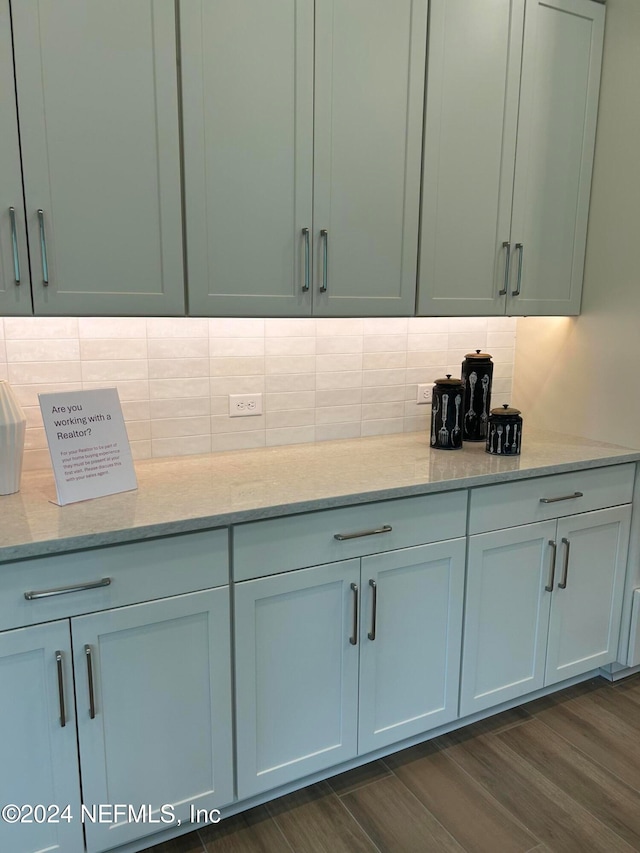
<point>32,546</point>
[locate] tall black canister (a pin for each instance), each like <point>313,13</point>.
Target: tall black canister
<point>446,414</point>
<point>477,375</point>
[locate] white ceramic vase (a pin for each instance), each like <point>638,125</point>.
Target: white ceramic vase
<point>13,424</point>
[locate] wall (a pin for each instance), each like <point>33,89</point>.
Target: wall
<point>582,375</point>
<point>321,379</point>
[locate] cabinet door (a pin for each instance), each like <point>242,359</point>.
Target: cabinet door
<point>15,290</point>
<point>247,81</point>
<point>556,136</point>
<point>38,754</point>
<point>585,612</point>
<point>469,154</point>
<point>161,732</point>
<point>410,642</point>
<point>97,103</point>
<point>369,75</point>
<point>296,674</point>
<point>507,615</point>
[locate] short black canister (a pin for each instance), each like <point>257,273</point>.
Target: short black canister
<point>505,431</point>
<point>477,375</point>
<point>446,414</point>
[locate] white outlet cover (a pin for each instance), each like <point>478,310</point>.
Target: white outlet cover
<point>245,405</point>
<point>425,393</point>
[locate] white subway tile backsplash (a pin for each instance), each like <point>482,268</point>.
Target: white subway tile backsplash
<point>94,349</point>
<point>289,382</point>
<point>178,347</point>
<point>240,347</point>
<point>238,440</point>
<point>332,432</point>
<point>290,435</point>
<point>111,327</point>
<point>41,372</point>
<point>36,328</point>
<point>178,368</point>
<point>322,379</point>
<point>52,349</point>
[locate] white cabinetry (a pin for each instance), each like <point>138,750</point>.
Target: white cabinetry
<point>543,600</point>
<point>99,135</point>
<point>512,98</point>
<point>337,660</point>
<point>150,682</point>
<point>302,184</point>
<point>15,292</point>
<point>38,750</point>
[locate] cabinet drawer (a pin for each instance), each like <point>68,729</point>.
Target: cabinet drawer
<point>525,501</point>
<point>282,544</point>
<point>138,571</point>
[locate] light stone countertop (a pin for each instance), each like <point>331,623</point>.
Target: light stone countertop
<point>182,494</point>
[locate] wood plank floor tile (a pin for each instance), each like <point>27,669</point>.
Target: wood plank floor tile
<point>314,820</point>
<point>612,801</point>
<point>600,734</point>
<point>548,812</point>
<point>359,776</point>
<point>253,831</point>
<point>629,686</point>
<point>396,821</point>
<point>189,843</point>
<point>460,804</point>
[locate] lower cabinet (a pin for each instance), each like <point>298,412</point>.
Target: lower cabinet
<point>153,728</point>
<point>337,660</point>
<point>543,604</point>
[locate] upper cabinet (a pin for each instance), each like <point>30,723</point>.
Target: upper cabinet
<point>97,98</point>
<point>302,136</point>
<point>511,109</point>
<point>15,292</point>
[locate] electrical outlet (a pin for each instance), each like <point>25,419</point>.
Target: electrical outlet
<point>424,394</point>
<point>245,405</point>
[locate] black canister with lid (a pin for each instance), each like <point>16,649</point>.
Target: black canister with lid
<point>446,414</point>
<point>477,375</point>
<point>505,431</point>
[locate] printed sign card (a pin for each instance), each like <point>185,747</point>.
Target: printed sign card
<point>88,444</point>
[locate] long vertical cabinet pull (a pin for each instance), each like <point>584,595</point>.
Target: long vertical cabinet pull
<point>353,639</point>
<point>43,249</point>
<point>565,566</point>
<point>552,573</point>
<point>307,260</point>
<point>63,716</point>
<point>14,245</point>
<point>520,250</point>
<point>92,700</point>
<point>505,287</point>
<point>324,234</point>
<point>374,609</point>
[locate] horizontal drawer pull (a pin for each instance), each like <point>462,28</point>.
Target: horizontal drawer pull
<point>386,528</point>
<point>563,498</point>
<point>63,590</point>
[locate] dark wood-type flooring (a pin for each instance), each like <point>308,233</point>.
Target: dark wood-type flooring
<point>559,774</point>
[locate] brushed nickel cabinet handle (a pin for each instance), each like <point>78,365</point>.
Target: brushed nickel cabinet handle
<point>505,287</point>
<point>552,574</point>
<point>520,249</point>
<point>353,639</point>
<point>92,700</point>
<point>43,249</point>
<point>307,269</point>
<point>341,537</point>
<point>565,565</point>
<point>64,590</point>
<point>63,716</point>
<point>374,609</point>
<point>324,235</point>
<point>562,498</point>
<point>14,245</point>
